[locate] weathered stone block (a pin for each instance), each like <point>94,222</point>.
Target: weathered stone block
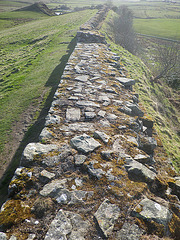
<point>106,217</point>
<point>84,143</point>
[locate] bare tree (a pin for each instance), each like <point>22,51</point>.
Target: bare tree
<point>167,59</point>
<point>122,27</point>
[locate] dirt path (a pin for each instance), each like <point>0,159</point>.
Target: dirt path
<point>25,130</point>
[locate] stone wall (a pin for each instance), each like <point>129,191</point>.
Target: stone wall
<point>95,172</point>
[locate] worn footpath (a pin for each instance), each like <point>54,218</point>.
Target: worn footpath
<point>94,173</point>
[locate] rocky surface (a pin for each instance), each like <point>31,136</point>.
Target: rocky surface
<point>99,170</point>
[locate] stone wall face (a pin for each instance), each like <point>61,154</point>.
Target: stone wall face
<point>93,174</point>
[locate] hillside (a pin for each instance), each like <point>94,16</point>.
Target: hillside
<point>157,99</point>
<point>38,7</point>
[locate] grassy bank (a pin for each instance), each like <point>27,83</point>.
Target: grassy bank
<point>155,98</point>
<point>31,55</point>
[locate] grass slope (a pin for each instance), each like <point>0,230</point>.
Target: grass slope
<point>154,97</point>
<point>32,57</point>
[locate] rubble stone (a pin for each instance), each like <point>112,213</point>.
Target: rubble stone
<point>106,217</point>
<point>84,143</point>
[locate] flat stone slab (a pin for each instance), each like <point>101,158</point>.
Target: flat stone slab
<point>64,153</point>
<point>142,158</point>
<point>52,120</point>
<point>46,176</point>
<point>34,149</point>
<point>73,114</point>
<point>45,134</point>
<point>111,117</point>
<point>95,172</point>
<point>102,136</point>
<point>117,147</point>
<point>101,113</point>
<point>84,103</point>
<point>67,225</point>
<point>73,98</point>
<point>82,78</point>
<point>90,115</point>
<point>148,144</point>
<point>136,111</point>
<point>103,98</point>
<point>132,140</point>
<point>106,216</point>
<point>84,143</point>
<point>3,236</point>
<point>107,155</point>
<point>127,82</point>
<point>104,123</point>
<point>79,159</point>
<point>138,171</point>
<point>79,127</point>
<point>15,238</point>
<point>57,189</point>
<point>117,102</point>
<point>175,186</point>
<point>52,187</point>
<point>129,232</point>
<point>152,211</point>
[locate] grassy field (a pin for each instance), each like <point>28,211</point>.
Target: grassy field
<point>166,28</point>
<point>148,10</point>
<point>32,57</point>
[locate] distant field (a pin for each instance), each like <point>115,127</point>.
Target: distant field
<point>14,4</point>
<point>166,28</point>
<point>31,63</point>
<point>6,6</point>
<point>75,3</point>
<point>146,10</point>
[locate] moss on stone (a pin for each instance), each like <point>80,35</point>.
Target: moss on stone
<point>14,212</point>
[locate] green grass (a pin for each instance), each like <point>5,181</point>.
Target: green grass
<point>32,56</point>
<point>166,28</point>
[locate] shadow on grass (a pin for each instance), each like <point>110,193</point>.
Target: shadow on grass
<point>34,131</point>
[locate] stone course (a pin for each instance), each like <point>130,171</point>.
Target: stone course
<point>94,171</point>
